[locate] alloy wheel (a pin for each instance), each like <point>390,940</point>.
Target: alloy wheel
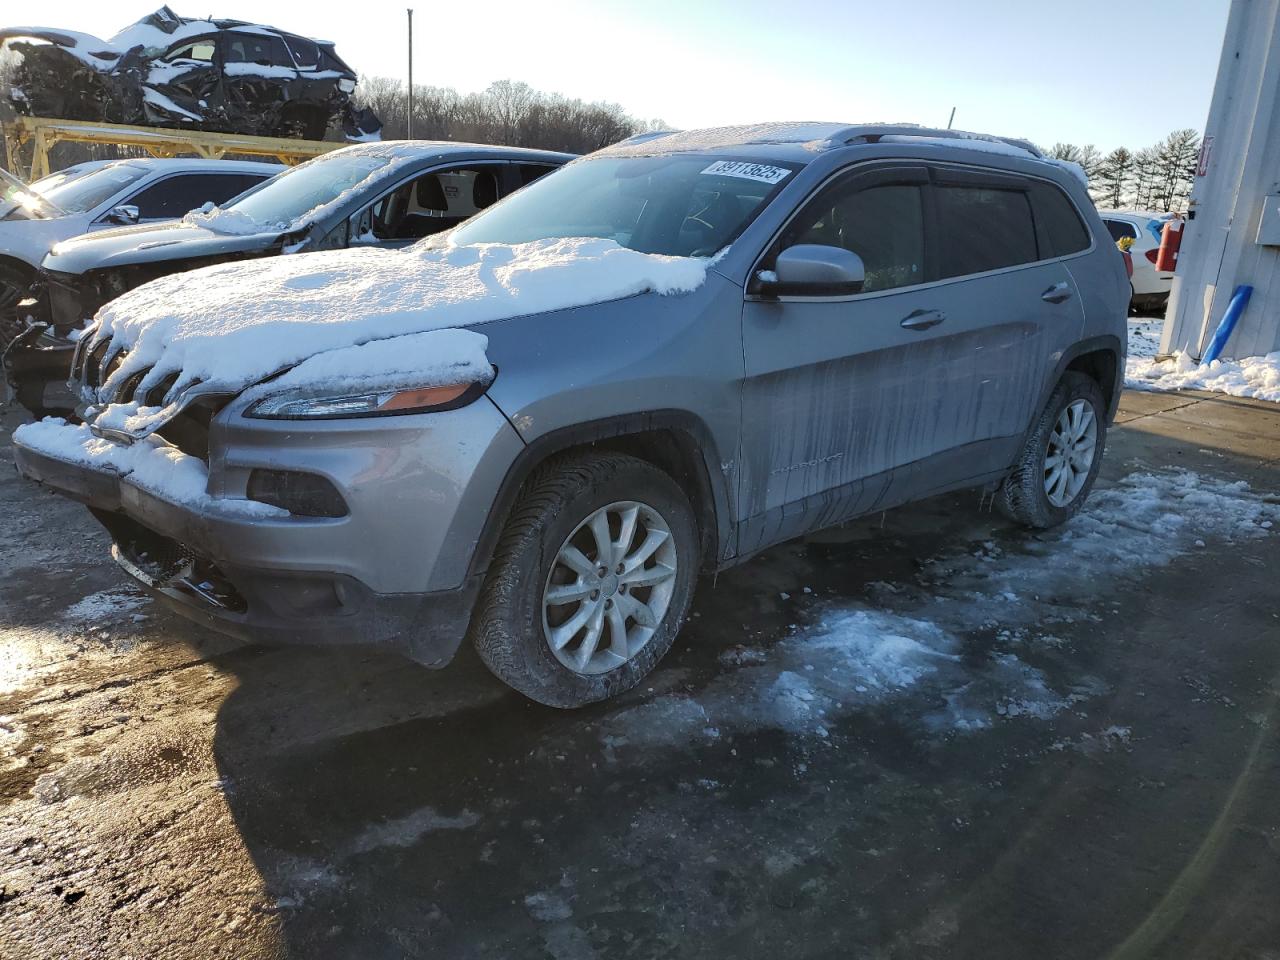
<point>609,587</point>
<point>1069,455</point>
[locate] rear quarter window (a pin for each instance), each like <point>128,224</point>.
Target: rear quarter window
<point>1120,229</point>
<point>1062,232</point>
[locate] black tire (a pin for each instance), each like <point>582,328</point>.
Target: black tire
<point>507,628</point>
<point>1022,496</point>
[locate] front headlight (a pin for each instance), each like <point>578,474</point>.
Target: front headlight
<point>297,405</point>
<point>346,86</point>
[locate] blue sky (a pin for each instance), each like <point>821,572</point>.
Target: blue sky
<point>1089,71</point>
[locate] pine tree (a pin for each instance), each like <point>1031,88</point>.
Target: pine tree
<point>1114,178</point>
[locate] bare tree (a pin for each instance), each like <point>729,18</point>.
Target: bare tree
<point>507,112</point>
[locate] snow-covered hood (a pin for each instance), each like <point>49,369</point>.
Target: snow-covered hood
<point>149,243</point>
<point>368,318</point>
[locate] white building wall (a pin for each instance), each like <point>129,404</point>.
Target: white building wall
<point>1220,249</point>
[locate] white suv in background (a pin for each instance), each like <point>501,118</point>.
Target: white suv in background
<point>1150,287</point>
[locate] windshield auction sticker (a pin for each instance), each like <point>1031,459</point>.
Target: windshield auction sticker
<point>748,171</point>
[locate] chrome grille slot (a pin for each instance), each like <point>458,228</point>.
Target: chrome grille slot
<point>155,396</point>
<point>127,389</point>
<point>114,364</point>
<point>93,364</point>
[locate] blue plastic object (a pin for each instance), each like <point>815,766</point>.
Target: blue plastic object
<point>1239,300</point>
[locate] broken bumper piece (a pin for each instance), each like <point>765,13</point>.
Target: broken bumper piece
<point>190,558</point>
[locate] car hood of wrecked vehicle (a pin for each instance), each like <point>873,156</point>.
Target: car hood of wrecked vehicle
<point>150,243</point>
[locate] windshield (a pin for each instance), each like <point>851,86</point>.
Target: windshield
<point>85,193</point>
<point>14,195</point>
<point>674,205</point>
<point>296,192</point>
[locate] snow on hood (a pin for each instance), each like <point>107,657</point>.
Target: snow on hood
<point>232,325</point>
<point>230,221</point>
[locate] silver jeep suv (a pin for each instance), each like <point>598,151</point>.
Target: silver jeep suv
<point>887,313</point>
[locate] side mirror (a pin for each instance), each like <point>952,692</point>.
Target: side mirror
<point>813,270</point>
<point>125,215</point>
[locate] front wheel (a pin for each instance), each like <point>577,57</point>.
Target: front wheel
<point>1059,462</point>
<point>591,581</point>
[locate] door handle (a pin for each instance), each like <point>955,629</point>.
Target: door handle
<point>1058,293</point>
<point>923,319</point>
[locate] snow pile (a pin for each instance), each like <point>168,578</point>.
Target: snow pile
<point>1257,377</point>
<point>229,221</point>
<point>151,465</point>
<point>231,325</point>
<point>918,641</point>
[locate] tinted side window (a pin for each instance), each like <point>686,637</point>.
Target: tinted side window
<point>984,228</point>
<point>1060,225</point>
<point>175,196</point>
<point>529,172</point>
<point>255,48</point>
<point>1119,229</point>
<point>883,224</point>
<point>305,52</point>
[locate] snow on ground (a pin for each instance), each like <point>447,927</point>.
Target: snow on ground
<point>1256,377</point>
<point>104,605</point>
<point>914,640</point>
<point>1144,337</point>
<point>233,324</point>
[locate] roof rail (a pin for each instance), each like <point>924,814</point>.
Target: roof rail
<point>873,132</point>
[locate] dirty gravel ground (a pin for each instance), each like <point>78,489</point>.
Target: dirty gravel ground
<point>927,734</point>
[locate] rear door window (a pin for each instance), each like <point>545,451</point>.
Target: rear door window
<point>175,196</point>
<point>983,228</point>
<point>1120,229</point>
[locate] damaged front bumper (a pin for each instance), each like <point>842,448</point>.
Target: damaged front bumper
<point>179,554</point>
<point>36,364</point>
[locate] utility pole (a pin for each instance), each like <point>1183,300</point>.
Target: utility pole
<point>952,118</point>
<point>408,124</point>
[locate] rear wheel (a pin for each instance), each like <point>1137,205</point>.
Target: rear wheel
<point>591,581</point>
<point>1059,462</point>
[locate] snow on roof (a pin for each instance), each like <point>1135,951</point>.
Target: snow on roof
<point>818,137</point>
<point>723,138</point>
<point>231,325</point>
<point>151,37</point>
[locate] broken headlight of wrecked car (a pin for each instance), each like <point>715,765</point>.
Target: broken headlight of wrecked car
<point>172,71</point>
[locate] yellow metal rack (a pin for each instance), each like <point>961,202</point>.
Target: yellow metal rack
<point>42,133</point>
